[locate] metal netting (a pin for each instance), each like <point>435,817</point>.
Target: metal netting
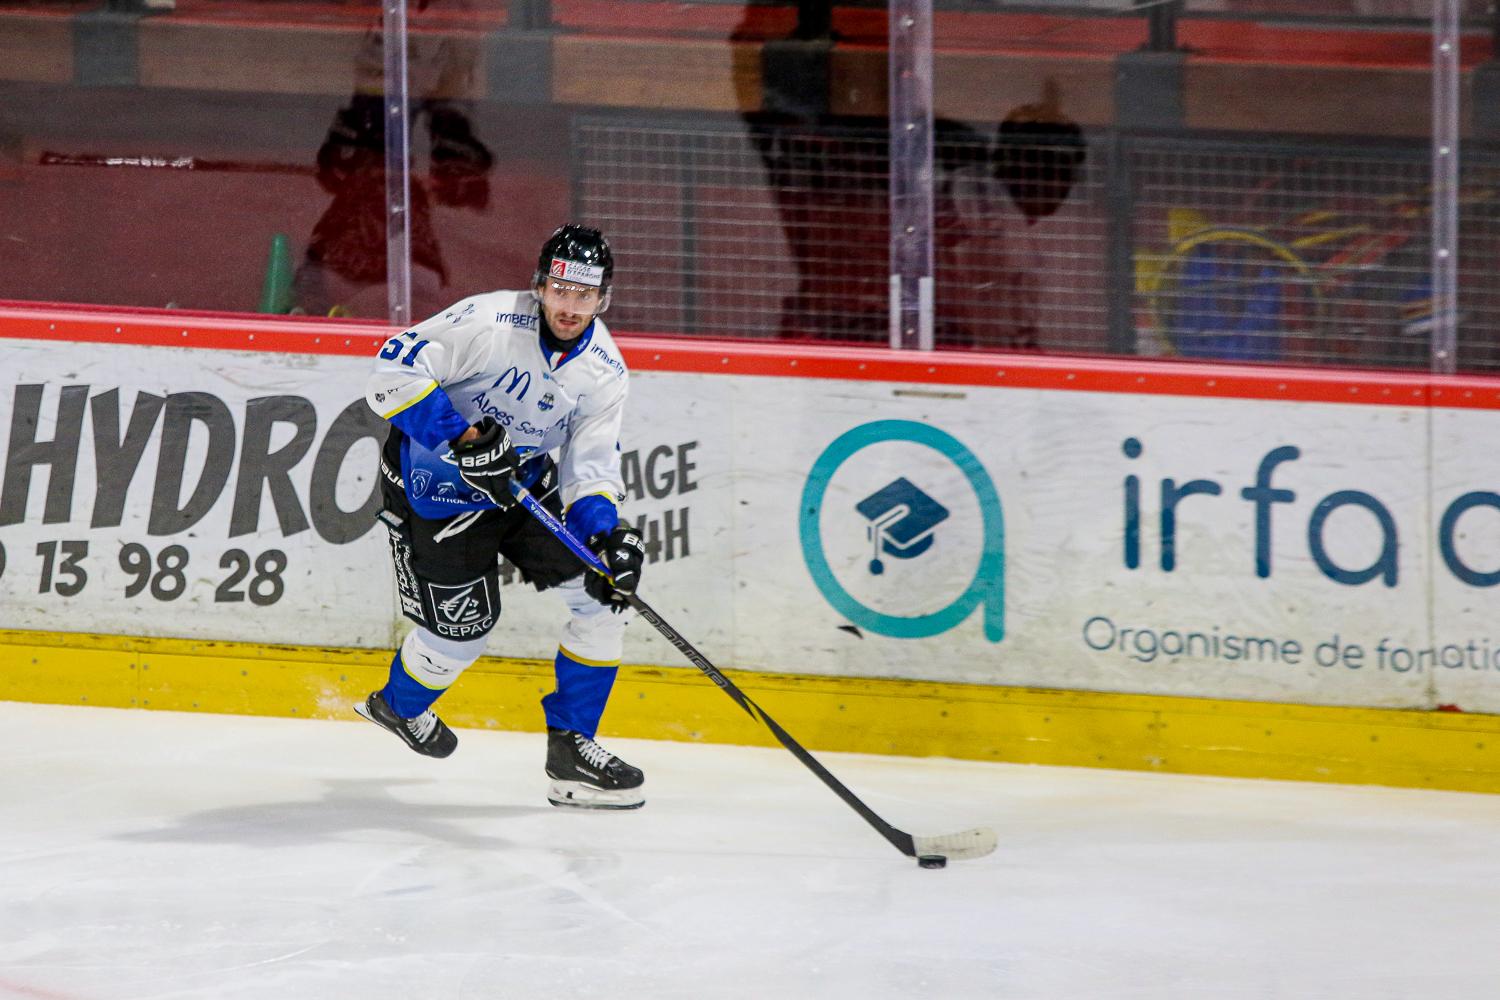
<point>1259,253</point>
<point>1268,251</point>
<point>784,232</point>
<point>722,231</point>
<point>1478,250</point>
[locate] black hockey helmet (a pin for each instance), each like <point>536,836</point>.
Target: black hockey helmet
<point>578,254</point>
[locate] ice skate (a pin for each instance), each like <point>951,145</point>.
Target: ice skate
<point>587,776</point>
<point>426,734</point>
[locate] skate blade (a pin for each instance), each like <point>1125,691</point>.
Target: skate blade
<point>364,713</point>
<point>577,795</point>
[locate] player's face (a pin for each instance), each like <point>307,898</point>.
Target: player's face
<point>568,306</point>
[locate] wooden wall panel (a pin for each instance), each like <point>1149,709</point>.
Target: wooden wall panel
<point>279,59</point>
<point>36,49</point>
<point>1333,100</point>
<point>973,86</point>
<point>696,74</point>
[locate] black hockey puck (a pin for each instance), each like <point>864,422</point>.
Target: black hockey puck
<point>932,861</point>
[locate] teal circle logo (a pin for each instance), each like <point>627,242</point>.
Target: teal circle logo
<point>986,589</point>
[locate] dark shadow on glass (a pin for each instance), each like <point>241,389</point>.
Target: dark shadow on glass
<point>343,272</point>
<point>828,178</point>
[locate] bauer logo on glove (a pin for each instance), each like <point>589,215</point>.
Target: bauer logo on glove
<point>488,461</point>
<point>622,552</point>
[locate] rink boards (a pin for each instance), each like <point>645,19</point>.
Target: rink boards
<point>1134,564</point>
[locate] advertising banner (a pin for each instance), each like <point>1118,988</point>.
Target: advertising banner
<point>199,494</point>
<point>1315,552</point>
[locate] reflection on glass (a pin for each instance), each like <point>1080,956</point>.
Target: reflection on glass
<point>343,271</point>
<point>1242,180</point>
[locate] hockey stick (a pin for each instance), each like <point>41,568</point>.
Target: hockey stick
<point>930,852</point>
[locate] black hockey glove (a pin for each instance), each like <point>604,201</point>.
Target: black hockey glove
<point>488,461</point>
<point>622,551</point>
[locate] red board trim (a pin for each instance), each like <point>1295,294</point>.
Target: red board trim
<point>1133,376</point>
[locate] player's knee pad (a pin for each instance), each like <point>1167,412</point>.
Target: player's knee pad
<point>435,661</point>
<point>594,633</point>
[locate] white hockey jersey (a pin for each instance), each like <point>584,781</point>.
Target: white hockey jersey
<point>485,356</point>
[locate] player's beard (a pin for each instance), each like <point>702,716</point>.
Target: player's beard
<point>578,323</point>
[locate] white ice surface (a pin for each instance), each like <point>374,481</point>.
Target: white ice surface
<point>155,855</point>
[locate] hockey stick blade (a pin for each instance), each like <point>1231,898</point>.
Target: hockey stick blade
<point>974,843</point>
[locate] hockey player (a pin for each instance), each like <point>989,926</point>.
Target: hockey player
<point>477,396</point>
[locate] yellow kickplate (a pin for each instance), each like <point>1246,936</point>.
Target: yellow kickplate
<point>911,718</point>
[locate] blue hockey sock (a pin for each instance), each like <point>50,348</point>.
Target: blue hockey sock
<point>582,692</point>
<point>407,696</point>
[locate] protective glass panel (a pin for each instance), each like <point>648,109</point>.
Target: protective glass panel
<point>1478,232</point>
<point>1280,252</point>
<point>1333,14</point>
<point>1234,179</point>
<point>1280,185</point>
<point>1468,207</point>
<point>778,229</point>
<point>704,140</point>
<point>1027,245</point>
<point>200,154</point>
